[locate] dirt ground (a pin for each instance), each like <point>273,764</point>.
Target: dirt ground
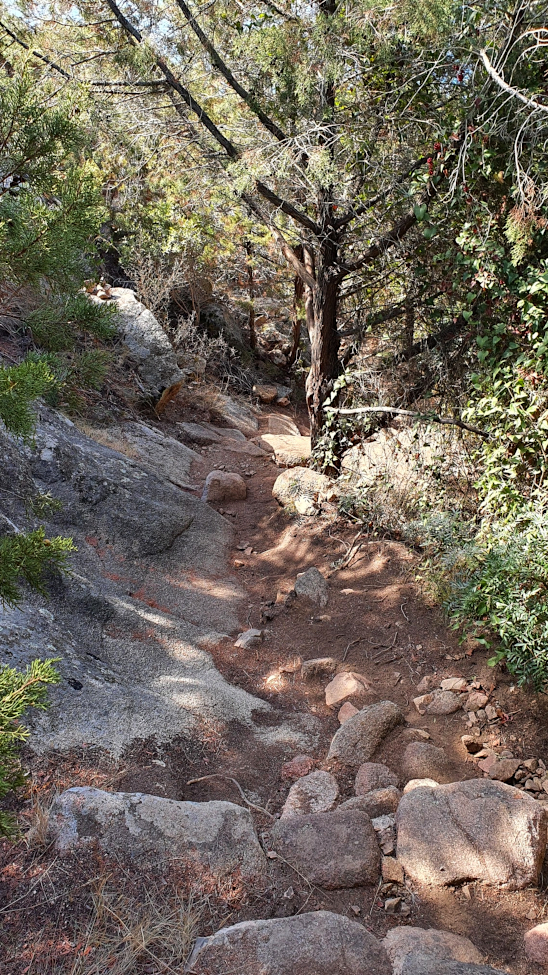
<point>378,622</point>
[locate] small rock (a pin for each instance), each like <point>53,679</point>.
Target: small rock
<point>347,711</point>
<point>373,776</point>
<point>419,784</point>
<point>249,638</point>
<point>426,684</point>
<point>505,769</point>
<point>318,667</point>
<point>357,739</point>
<point>475,701</point>
<point>331,849</point>
<point>391,904</point>
<point>223,486</point>
<point>422,702</point>
<point>531,764</point>
<point>456,684</point>
<point>443,702</point>
<point>491,712</point>
<point>312,585</point>
<point>297,767</point>
<point>313,793</point>
<point>385,828</point>
<point>265,394</point>
<point>343,685</point>
<point>536,944</point>
<point>392,871</point>
<point>481,716</point>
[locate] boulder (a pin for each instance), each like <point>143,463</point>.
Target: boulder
<point>421,760</point>
<point>299,488</point>
<point>318,667</point>
<point>234,413</point>
<point>289,451</point>
<point>475,830</point>
<point>380,802</point>
<point>147,342</point>
<point>419,784</point>
<point>312,793</point>
<point>200,434</point>
<point>282,425</point>
<point>400,943</point>
<point>214,836</point>
<point>319,943</point>
<point>224,486</point>
<point>343,685</point>
<point>536,944</point>
<point>331,849</point>
<point>358,739</point>
<point>312,585</point>
<point>372,776</point>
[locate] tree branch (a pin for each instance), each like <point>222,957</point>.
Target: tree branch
<point>223,68</point>
<point>530,102</point>
<point>426,417</point>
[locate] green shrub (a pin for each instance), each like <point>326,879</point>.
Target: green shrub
<point>19,691</point>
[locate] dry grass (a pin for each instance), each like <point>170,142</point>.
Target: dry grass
<point>38,837</point>
<point>126,936</point>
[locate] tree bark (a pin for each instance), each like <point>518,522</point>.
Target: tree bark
<point>324,337</point>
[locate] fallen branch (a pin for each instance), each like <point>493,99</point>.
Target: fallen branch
<point>426,417</point>
<point>219,775</point>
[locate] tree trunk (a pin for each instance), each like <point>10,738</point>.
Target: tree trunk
<point>251,292</point>
<point>324,343</point>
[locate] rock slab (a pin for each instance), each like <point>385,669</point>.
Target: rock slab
<point>358,739</point>
<point>475,830</point>
<point>331,849</point>
<point>216,836</point>
<point>319,943</point>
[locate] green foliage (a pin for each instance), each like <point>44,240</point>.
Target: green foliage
<point>29,556</point>
<point>19,386</point>
<point>56,324</point>
<point>500,590</point>
<point>19,691</point>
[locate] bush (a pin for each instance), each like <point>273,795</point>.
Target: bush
<point>501,589</point>
<point>19,691</point>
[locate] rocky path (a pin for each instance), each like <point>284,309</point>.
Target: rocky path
<point>366,792</point>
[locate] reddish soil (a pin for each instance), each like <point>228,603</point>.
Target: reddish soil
<point>378,622</point>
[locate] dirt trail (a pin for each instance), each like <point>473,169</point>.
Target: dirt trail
<point>380,624</point>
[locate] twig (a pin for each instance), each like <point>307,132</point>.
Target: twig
<point>353,644</point>
<point>404,613</point>
<point>219,775</point>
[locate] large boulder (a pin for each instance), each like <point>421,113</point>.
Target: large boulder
<point>234,413</point>
<point>331,849</point>
<point>299,488</point>
<point>320,943</point>
<point>289,451</point>
<point>147,342</point>
<point>401,943</point>
<point>214,836</point>
<point>475,830</point>
<point>358,739</point>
